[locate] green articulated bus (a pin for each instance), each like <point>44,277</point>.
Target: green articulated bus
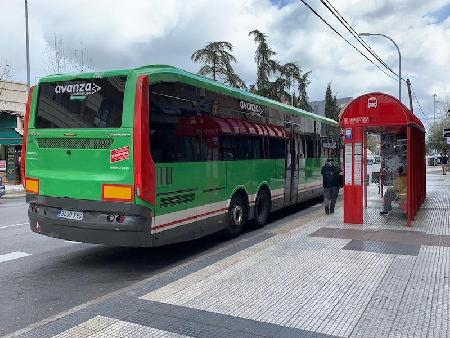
<point>157,155</point>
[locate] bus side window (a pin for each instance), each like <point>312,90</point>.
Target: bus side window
<point>257,148</point>
<point>301,148</point>
<point>318,148</point>
<point>309,147</point>
<point>277,148</point>
<point>229,148</point>
<point>246,148</point>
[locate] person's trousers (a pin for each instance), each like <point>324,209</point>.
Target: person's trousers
<point>444,169</point>
<point>389,196</point>
<point>330,195</point>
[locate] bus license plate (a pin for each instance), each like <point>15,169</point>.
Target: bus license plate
<point>74,215</point>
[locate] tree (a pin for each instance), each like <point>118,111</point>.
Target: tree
<point>331,107</point>
<point>265,65</point>
<point>278,81</point>
<point>373,143</point>
<point>303,101</point>
<point>435,140</point>
<point>5,75</point>
<point>217,59</point>
<point>57,59</point>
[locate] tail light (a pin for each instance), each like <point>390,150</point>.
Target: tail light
<point>31,185</point>
<point>117,192</point>
<point>144,167</point>
<point>24,137</point>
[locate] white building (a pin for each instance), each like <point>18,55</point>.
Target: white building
<point>13,100</point>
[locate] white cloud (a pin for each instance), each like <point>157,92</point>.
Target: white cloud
<point>131,33</point>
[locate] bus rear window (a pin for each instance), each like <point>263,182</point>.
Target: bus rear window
<point>84,103</point>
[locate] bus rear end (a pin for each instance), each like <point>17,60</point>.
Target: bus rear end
<point>82,176</point>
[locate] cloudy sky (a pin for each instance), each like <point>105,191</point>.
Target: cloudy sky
<point>123,34</point>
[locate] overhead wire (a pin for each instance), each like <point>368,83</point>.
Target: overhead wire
<point>345,23</point>
<point>420,106</point>
<point>355,34</point>
<point>346,40</point>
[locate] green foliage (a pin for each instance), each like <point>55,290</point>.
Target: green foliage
<point>288,77</point>
<point>303,102</point>
<point>265,65</point>
<point>276,81</point>
<point>373,141</point>
<point>331,108</point>
<point>435,141</point>
<point>216,58</point>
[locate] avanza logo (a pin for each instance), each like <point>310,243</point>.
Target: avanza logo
<point>119,154</point>
<point>256,108</point>
<point>78,89</point>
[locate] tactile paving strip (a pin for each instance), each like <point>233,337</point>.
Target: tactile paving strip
<point>383,247</point>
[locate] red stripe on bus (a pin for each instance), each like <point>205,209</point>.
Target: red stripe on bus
<point>187,219</point>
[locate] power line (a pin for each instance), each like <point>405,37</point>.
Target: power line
<point>344,22</point>
<point>419,105</point>
<point>348,42</point>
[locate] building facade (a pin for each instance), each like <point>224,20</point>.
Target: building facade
<point>319,106</point>
<point>13,99</point>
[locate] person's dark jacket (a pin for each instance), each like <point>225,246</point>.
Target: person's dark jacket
<point>444,159</point>
<point>331,177</point>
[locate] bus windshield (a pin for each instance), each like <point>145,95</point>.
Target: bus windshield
<point>83,103</point>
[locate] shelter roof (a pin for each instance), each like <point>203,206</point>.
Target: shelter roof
<point>378,110</point>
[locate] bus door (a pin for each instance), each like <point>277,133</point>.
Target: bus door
<point>291,182</point>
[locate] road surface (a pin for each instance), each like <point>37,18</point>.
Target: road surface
<point>41,277</point>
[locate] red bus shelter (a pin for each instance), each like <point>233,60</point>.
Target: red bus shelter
<point>385,115</point>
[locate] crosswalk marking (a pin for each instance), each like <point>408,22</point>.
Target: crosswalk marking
<point>100,326</point>
<point>13,255</point>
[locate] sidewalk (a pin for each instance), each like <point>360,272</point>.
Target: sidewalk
<point>310,278</point>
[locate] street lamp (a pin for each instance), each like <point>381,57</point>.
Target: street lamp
<point>27,44</point>
<point>399,61</point>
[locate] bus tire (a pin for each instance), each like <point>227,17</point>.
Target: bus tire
<point>262,208</point>
<point>236,217</point>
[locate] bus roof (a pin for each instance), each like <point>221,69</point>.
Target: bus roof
<point>171,73</point>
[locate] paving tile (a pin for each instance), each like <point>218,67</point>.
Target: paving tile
<point>323,279</point>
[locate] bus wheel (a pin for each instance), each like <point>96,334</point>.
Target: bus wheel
<point>262,208</point>
<point>236,218</point>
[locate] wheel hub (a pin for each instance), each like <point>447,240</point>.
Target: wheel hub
<point>237,213</point>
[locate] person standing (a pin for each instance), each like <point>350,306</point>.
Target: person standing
<point>331,183</point>
<point>444,163</point>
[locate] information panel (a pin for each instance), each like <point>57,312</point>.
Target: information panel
<point>348,163</point>
<point>358,164</point>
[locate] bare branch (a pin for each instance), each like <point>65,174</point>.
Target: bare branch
<point>57,59</point>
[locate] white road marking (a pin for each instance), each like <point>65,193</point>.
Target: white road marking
<point>72,242</point>
<point>13,255</point>
<point>13,225</point>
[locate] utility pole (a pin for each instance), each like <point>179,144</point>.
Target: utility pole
<point>27,42</point>
<point>408,83</point>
